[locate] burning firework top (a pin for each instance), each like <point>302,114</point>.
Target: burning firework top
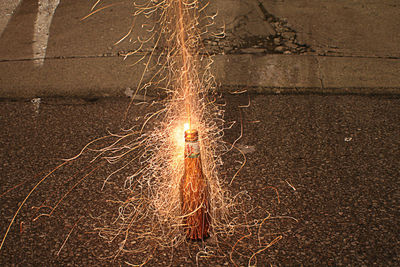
<point>192,149</point>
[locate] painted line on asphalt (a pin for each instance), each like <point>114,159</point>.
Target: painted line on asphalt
<point>45,14</point>
<point>7,9</point>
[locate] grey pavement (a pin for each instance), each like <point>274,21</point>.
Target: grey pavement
<point>334,160</point>
<point>329,46</point>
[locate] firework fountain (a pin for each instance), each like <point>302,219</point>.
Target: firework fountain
<point>175,193</point>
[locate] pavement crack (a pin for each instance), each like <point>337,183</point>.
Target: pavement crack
<point>358,56</point>
<point>106,55</point>
<point>268,16</point>
<point>320,74</point>
<point>285,38</point>
<point>119,55</point>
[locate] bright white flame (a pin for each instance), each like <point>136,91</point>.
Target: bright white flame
<point>186,127</point>
<point>179,142</point>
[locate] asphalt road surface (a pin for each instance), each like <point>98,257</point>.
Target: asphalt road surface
<point>334,159</point>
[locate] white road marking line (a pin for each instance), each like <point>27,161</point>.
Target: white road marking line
<point>7,8</point>
<point>47,8</point>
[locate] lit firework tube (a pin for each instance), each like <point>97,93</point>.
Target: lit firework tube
<point>194,193</point>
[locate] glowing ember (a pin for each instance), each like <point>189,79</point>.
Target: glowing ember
<point>186,127</point>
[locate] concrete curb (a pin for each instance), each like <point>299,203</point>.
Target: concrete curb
<point>110,75</point>
<point>307,71</point>
<point>324,47</point>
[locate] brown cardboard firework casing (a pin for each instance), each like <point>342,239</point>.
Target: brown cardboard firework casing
<point>194,192</point>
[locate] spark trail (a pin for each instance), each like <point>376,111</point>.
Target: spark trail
<point>151,217</point>
<point>183,74</point>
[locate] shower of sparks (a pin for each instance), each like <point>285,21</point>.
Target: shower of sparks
<point>153,212</point>
<point>151,217</point>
